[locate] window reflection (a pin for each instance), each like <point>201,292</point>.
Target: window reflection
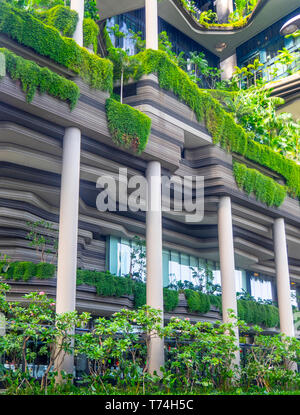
<point>261,289</point>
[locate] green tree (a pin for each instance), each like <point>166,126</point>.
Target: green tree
<point>41,240</point>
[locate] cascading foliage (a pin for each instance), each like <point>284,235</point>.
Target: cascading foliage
<point>128,127</point>
<point>33,77</point>
<point>45,40</point>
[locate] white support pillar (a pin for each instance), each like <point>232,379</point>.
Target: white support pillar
<point>151,17</point>
<point>78,6</point>
<point>154,286</point>
<point>68,229</point>
<point>68,218</point>
<point>227,66</point>
<point>227,266</point>
<point>282,278</point>
<point>224,8</point>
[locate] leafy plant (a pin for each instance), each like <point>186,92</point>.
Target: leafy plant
<point>26,270</point>
<point>38,235</point>
<point>32,323</point>
<point>116,349</point>
<point>265,189</point>
<point>4,263</point>
<point>138,259</point>
<point>270,362</point>
<point>47,41</point>
<point>198,302</point>
<point>286,58</point>
<point>90,34</point>
<point>202,73</point>
<point>33,77</point>
<point>62,18</point>
<point>128,126</point>
<point>199,355</point>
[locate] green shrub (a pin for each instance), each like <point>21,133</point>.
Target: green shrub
<point>33,77</point>
<point>106,284</point>
<point>24,271</point>
<point>253,312</point>
<point>62,18</point>
<point>90,34</point>
<point>45,270</point>
<point>216,300</point>
<point>8,275</point>
<point>109,285</point>
<point>198,302</point>
<point>139,291</point>
<point>29,271</point>
<point>171,298</point>
<point>128,127</point>
<point>18,271</point>
<point>22,27</point>
<point>265,188</point>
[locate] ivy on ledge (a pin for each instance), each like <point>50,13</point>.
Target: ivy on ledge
<point>24,28</point>
<point>62,18</point>
<point>33,77</point>
<point>90,34</point>
<point>128,126</point>
<point>266,189</point>
<point>219,123</point>
<point>65,21</point>
<point>109,285</point>
<point>26,270</point>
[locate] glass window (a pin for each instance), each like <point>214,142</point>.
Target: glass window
<point>185,271</point>
<point>239,283</point>
<point>217,277</point>
<point>174,268</point>
<point>124,254</point>
<point>238,280</point>
<point>261,289</point>
<point>294,298</point>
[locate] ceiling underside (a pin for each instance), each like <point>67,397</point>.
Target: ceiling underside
<point>270,12</point>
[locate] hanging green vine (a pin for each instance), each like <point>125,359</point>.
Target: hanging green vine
<point>266,189</point>
<point>62,18</point>
<point>90,34</point>
<point>24,28</point>
<point>33,77</point>
<point>128,127</point>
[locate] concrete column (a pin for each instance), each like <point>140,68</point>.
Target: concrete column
<point>68,228</point>
<point>227,66</point>
<point>224,8</point>
<point>282,278</point>
<point>227,266</point>
<point>154,286</point>
<point>151,18</point>
<point>68,218</point>
<point>78,6</point>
